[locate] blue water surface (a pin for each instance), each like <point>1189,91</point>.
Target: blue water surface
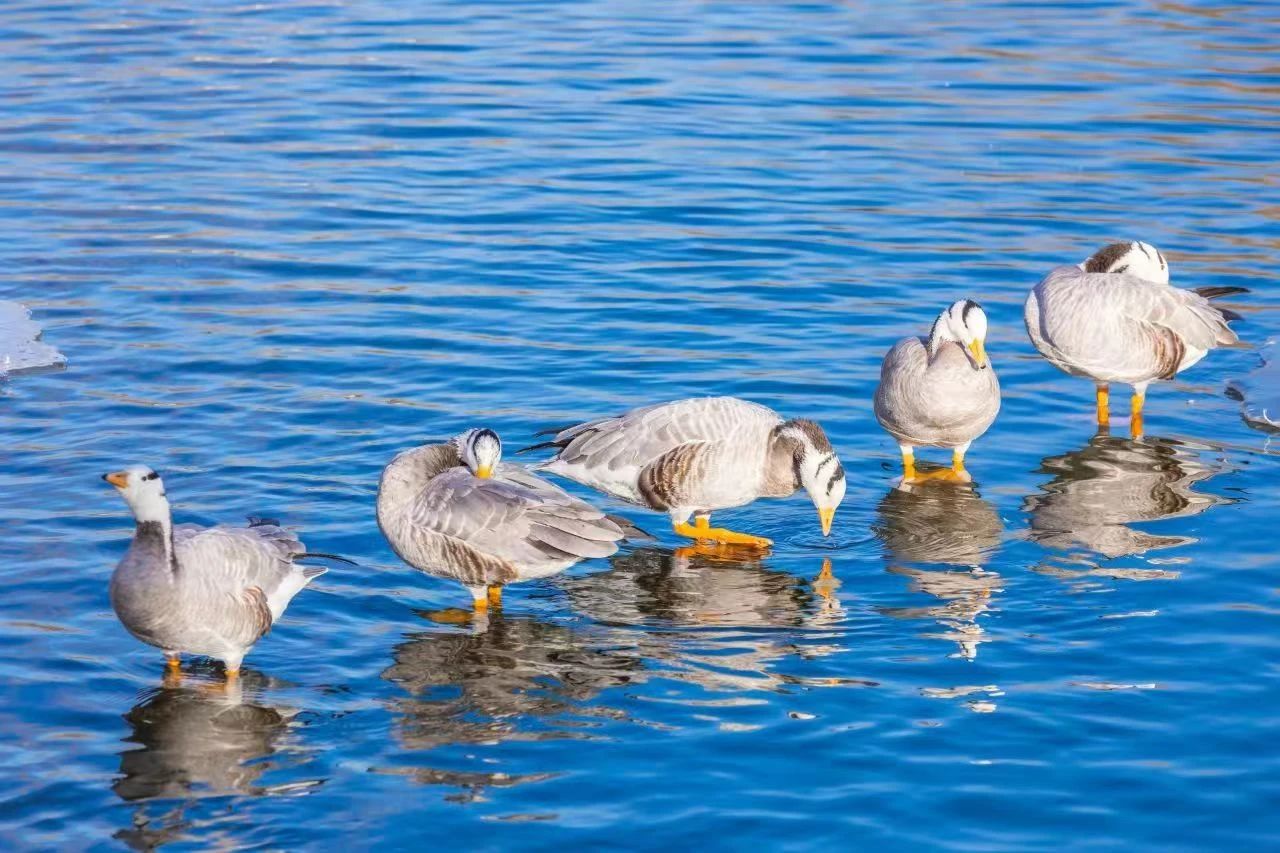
<point>280,242</point>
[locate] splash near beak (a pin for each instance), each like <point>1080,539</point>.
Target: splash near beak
<point>119,479</point>
<point>484,472</point>
<point>979,354</point>
<point>825,515</point>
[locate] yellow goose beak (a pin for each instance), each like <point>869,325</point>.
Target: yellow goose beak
<point>825,516</point>
<point>119,479</point>
<point>979,351</point>
<point>484,472</point>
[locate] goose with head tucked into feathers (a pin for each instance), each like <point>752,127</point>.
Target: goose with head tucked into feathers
<point>690,457</point>
<point>939,391</point>
<point>211,591</point>
<point>456,511</point>
<point>1115,318</point>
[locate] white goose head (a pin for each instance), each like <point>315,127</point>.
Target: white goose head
<point>818,468</point>
<point>964,323</point>
<point>480,450</point>
<point>143,491</point>
<point>1141,260</point>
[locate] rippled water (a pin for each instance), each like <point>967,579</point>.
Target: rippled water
<point>278,244</point>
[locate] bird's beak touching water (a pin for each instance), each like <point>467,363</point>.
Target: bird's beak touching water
<point>484,472</point>
<point>825,515</point>
<point>119,479</point>
<point>979,353</point>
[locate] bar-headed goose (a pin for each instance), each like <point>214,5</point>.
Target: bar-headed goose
<point>689,458</point>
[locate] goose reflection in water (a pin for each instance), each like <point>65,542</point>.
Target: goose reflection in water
<point>1097,491</point>
<point>507,678</point>
<point>482,685</point>
<point>196,740</point>
<point>953,525</point>
<point>691,587</point>
<point>735,617</point>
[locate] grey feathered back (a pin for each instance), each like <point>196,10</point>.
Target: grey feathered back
<point>440,518</point>
<point>219,593</point>
<point>706,452</point>
<point>1115,327</point>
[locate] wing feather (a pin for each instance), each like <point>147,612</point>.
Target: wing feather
<point>610,454</point>
<point>480,531</point>
<point>1114,326</point>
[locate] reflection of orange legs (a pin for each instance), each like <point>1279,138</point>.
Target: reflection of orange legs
<point>1135,414</point>
<point>1104,404</point>
<point>172,669</point>
<point>455,616</point>
<point>825,584</point>
<point>481,597</point>
<point>702,531</point>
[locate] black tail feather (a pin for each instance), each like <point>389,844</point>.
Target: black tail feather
<point>554,430</point>
<point>322,556</point>
<point>629,531</point>
<point>1216,292</point>
<point>540,446</point>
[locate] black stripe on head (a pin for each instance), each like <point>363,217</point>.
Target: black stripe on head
<point>969,305</point>
<point>1163,265</point>
<point>835,477</point>
<point>1142,249</point>
<point>1102,259</point>
<point>1122,268</point>
<point>482,433</point>
<point>152,476</point>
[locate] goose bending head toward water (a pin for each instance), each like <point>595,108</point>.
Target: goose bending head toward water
<point>1115,318</point>
<point>940,390</point>
<point>453,509</point>
<point>689,458</point>
<point>212,591</point>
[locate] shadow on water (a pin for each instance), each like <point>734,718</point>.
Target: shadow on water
<point>197,739</point>
<point>1097,492</point>
<point>951,525</point>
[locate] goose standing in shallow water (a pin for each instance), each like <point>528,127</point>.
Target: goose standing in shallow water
<point>211,591</point>
<point>1115,318</point>
<point>939,391</point>
<point>691,457</point>
<point>454,510</point>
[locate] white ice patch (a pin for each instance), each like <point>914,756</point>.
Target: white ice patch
<point>20,345</point>
<point>1259,392</point>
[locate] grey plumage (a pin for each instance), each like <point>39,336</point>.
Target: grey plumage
<point>1116,318</point>
<point>690,457</point>
<point>943,401</point>
<point>441,518</point>
<point>211,591</point>
<point>939,391</point>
